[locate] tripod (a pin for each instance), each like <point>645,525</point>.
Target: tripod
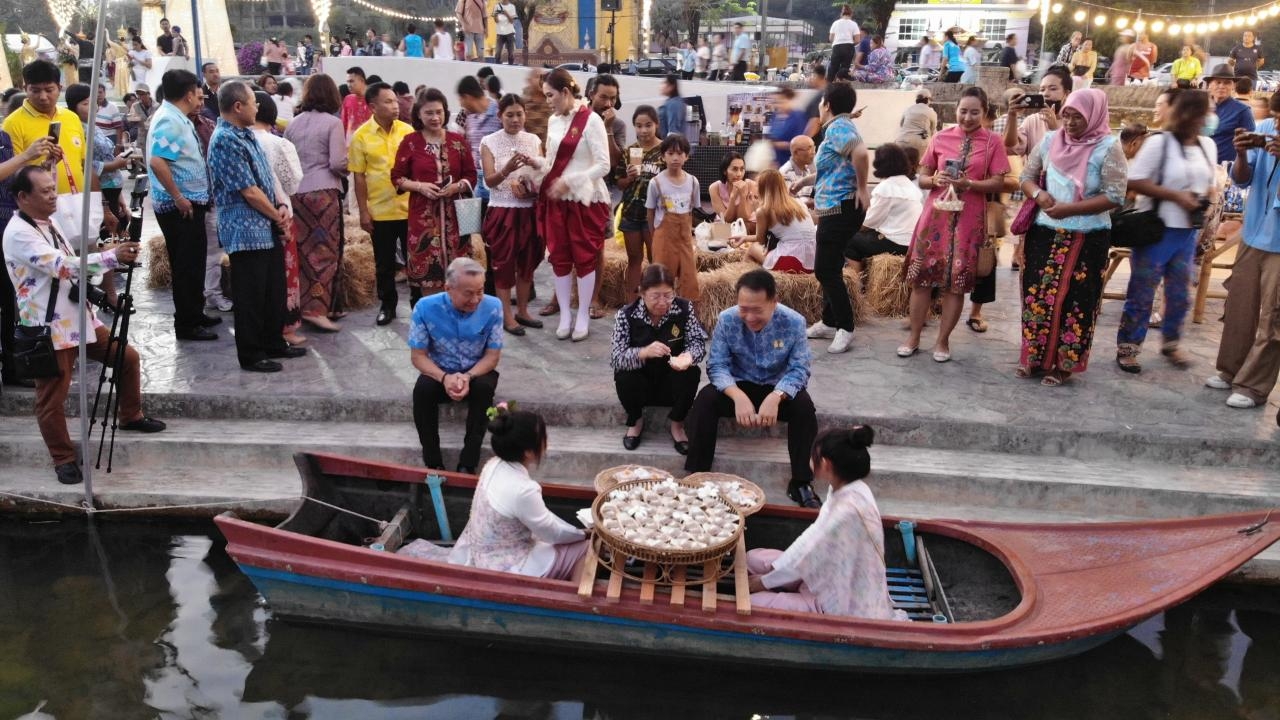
<point>117,344</point>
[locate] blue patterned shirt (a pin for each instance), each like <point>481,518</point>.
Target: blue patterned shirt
<point>172,137</point>
<point>1262,209</point>
<point>453,340</point>
<point>236,162</point>
<point>104,151</point>
<point>778,355</point>
<point>837,180</point>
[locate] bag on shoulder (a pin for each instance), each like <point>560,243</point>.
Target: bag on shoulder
<point>1133,228</point>
<point>34,356</point>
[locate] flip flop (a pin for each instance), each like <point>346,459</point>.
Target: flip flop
<point>596,313</point>
<point>977,325</point>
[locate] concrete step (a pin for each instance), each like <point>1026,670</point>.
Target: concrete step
<point>1207,446</point>
<point>932,476</point>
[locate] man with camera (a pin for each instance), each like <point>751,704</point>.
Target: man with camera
<point>46,271</point>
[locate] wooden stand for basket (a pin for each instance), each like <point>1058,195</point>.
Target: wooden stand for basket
<point>675,576</point>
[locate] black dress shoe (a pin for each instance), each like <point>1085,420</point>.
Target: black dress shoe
<point>466,470</point>
<point>207,322</point>
<point>197,333</point>
<point>529,322</point>
<point>803,495</point>
<point>288,352</point>
<point>517,330</point>
<point>631,442</point>
<point>69,474</point>
<point>681,446</point>
<point>263,366</point>
<point>144,425</point>
<point>385,316</point>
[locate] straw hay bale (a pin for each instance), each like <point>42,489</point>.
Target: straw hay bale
<point>800,292</point>
<point>613,295</point>
<point>159,273</point>
<point>356,281</point>
<point>353,233</point>
<point>714,260</point>
<point>887,292</point>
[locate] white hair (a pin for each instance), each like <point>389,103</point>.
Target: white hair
<point>461,267</point>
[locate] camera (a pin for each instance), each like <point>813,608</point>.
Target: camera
<point>1197,216</point>
<point>93,294</point>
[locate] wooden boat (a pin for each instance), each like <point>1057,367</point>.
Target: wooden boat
<point>1013,594</point>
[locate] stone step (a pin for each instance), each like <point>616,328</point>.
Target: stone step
<point>936,477</point>
<point>1205,445</point>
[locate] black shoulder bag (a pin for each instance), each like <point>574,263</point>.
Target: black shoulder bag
<point>33,354</point>
<point>1133,228</point>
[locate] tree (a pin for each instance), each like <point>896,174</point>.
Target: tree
<point>525,10</point>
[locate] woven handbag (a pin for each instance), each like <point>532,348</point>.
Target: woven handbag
<point>470,215</point>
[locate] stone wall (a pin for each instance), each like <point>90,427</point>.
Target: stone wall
<point>1128,103</point>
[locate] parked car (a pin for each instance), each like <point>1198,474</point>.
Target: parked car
<point>659,66</point>
<point>577,67</point>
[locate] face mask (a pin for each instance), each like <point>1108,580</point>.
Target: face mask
<point>1210,124</point>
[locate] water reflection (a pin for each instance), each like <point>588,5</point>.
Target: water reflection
<point>142,622</point>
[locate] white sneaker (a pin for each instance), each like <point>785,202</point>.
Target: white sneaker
<point>842,341</point>
<point>1217,383</point>
<point>1156,320</point>
<point>221,304</point>
<point>820,330</point>
<point>1242,402</point>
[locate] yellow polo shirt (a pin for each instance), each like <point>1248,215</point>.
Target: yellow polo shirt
<point>26,125</point>
<point>373,152</point>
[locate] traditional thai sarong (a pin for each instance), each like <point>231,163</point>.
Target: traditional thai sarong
<point>317,232</point>
<point>1061,296</point>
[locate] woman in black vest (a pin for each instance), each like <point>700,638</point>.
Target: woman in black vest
<point>657,345</point>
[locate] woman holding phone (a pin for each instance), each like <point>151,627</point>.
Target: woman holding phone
<point>943,255</point>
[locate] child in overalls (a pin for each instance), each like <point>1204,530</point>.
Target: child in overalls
<point>672,196</point>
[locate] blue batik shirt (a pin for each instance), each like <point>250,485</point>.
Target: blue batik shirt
<point>236,162</point>
<point>1262,209</point>
<point>778,355</point>
<point>837,180</point>
<point>455,341</point>
<point>172,137</point>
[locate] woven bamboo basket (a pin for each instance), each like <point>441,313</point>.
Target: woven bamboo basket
<point>607,478</point>
<point>667,560</point>
<point>720,479</point>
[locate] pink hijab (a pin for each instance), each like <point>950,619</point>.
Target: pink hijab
<point>1071,155</point>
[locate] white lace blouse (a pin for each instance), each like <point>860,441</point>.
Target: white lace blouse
<point>590,164</point>
<point>503,145</point>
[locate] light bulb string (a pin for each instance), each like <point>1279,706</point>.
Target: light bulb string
<point>1238,17</point>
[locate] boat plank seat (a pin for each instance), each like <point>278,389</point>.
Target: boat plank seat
<point>396,531</point>
<point>674,579</point>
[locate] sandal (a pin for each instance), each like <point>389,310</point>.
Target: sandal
<point>1057,378</point>
<point>1023,372</point>
<point>596,312</point>
<point>1127,358</point>
<point>977,325</point>
<point>549,309</point>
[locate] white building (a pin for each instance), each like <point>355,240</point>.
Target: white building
<point>991,21</point>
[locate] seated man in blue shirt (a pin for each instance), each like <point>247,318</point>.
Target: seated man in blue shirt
<point>758,367</point>
<point>455,340</point>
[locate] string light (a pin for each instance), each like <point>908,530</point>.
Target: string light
<point>1175,29</point>
<point>1157,26</point>
<point>1080,16</point>
<point>1122,23</point>
<point>1057,8</point>
<point>398,14</point>
<point>1139,25</point>
<point>1100,20</point>
<point>1213,26</point>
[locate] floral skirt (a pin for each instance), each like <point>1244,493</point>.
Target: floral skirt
<point>1061,295</point>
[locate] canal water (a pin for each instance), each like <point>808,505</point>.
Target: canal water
<point>133,620</point>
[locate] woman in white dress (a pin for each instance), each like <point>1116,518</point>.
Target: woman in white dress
<point>139,60</point>
<point>836,567</point>
<point>510,528</point>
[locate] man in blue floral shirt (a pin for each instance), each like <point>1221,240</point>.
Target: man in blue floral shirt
<point>455,341</point>
<point>758,367</point>
<point>252,223</point>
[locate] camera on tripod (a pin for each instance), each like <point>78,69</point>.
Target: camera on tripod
<point>93,294</point>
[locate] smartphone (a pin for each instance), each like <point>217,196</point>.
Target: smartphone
<point>1258,139</point>
<point>953,168</point>
<point>1034,100</point>
<point>859,110</point>
<point>55,132</point>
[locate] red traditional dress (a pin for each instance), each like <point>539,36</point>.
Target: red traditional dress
<point>573,226</point>
<point>510,223</point>
<point>433,224</point>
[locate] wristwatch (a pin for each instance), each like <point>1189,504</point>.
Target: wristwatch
<point>781,395</point>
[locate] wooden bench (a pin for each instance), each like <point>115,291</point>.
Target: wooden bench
<point>1227,237</point>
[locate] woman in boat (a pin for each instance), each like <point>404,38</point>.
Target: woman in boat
<point>836,567</point>
<point>510,528</point>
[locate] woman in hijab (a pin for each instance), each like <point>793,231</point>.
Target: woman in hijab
<point>1076,176</point>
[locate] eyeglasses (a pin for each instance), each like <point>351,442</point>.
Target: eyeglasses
<point>656,296</point>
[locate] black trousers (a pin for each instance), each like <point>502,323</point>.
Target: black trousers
<point>185,240</point>
<point>388,236</point>
<point>257,283</point>
<point>984,291</point>
<point>868,243</point>
<point>429,394</point>
<point>841,58</point>
<point>954,77</point>
<point>711,405</point>
<point>739,71</point>
<point>658,385</point>
<point>509,42</point>
<point>835,232</point>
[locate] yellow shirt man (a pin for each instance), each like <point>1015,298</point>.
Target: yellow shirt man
<point>26,125</point>
<point>373,152</point>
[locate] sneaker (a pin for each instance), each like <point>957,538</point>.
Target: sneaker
<point>841,342</point>
<point>820,330</point>
<point>221,304</point>
<point>1242,402</point>
<point>1156,320</point>
<point>1217,383</point>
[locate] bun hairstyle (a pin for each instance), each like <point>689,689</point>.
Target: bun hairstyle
<point>516,433</point>
<point>846,450</point>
